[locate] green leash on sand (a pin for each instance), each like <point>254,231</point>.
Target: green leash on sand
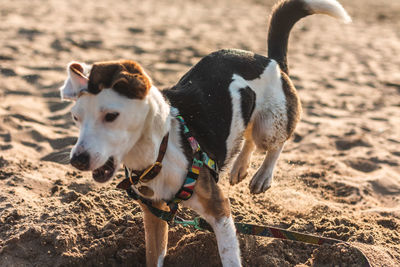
<point>274,232</point>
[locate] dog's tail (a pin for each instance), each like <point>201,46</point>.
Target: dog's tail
<point>286,13</point>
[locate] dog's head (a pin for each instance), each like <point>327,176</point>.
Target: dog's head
<point>110,110</point>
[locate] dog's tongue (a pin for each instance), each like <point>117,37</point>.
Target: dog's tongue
<point>105,172</point>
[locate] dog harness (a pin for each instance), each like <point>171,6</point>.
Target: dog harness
<point>137,178</point>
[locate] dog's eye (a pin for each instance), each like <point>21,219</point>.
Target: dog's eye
<point>111,116</point>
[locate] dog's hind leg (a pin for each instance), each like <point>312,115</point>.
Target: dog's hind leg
<point>239,169</point>
<point>262,180</point>
<point>156,236</point>
<point>269,134</point>
<point>209,201</point>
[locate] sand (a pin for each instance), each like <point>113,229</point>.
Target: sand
<point>339,176</point>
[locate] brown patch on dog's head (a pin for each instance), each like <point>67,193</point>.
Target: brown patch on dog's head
<point>125,77</point>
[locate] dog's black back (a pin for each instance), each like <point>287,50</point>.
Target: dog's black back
<point>203,99</point>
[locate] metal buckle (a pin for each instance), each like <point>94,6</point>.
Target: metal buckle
<point>149,169</point>
<point>128,174</point>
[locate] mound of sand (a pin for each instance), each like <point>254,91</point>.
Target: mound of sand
<point>339,177</point>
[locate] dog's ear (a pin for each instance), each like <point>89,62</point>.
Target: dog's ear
<point>131,85</point>
<point>76,81</point>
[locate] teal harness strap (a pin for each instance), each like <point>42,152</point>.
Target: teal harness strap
<point>210,163</point>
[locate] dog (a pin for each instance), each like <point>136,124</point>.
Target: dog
<point>233,101</point>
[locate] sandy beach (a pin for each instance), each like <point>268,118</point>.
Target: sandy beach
<point>338,177</point>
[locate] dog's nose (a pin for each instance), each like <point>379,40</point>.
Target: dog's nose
<point>81,161</point>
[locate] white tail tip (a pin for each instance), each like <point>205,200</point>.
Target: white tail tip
<point>329,7</point>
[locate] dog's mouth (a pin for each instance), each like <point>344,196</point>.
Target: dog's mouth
<point>105,172</point>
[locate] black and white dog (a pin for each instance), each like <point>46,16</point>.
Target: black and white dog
<point>230,95</point>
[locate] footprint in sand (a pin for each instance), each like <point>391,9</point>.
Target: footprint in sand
<point>3,162</point>
<point>6,147</point>
<point>6,138</point>
<point>345,190</point>
<point>8,72</point>
<point>60,143</point>
<point>396,153</point>
<point>389,223</point>
<point>135,30</point>
<point>384,161</point>
<point>349,143</point>
<point>4,174</point>
<point>56,106</point>
<point>85,43</point>
<point>59,45</point>
<point>36,146</point>
<point>32,78</point>
<point>6,57</point>
<point>63,146</point>
<point>363,165</point>
<point>29,33</point>
<point>61,156</point>
<point>386,186</point>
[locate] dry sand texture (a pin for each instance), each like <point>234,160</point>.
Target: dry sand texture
<point>338,177</point>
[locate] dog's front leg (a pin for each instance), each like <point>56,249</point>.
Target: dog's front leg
<point>228,245</point>
<point>209,201</point>
<point>156,235</point>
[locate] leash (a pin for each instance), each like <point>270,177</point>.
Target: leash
<point>199,223</point>
<point>200,159</point>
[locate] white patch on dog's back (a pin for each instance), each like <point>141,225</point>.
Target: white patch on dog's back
<point>270,107</point>
<point>237,124</point>
<point>268,88</point>
<point>270,115</point>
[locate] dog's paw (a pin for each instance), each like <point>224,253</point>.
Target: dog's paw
<point>237,176</point>
<point>239,172</point>
<point>260,182</point>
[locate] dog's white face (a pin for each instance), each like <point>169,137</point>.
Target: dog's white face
<point>109,124</point>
